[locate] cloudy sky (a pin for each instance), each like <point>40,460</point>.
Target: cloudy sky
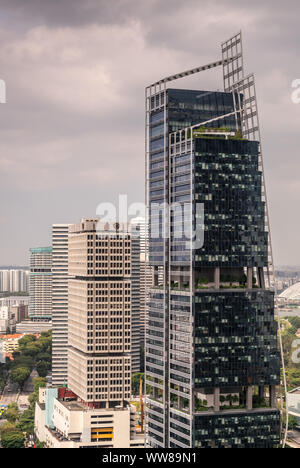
<point>72,131</point>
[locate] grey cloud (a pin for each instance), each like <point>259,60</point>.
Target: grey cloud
<point>71,134</point>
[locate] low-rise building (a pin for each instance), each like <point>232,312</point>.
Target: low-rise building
<point>10,343</point>
<point>63,421</point>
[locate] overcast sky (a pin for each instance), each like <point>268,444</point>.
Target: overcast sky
<point>72,131</point>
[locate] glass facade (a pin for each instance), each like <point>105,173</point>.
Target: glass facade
<point>211,344</point>
<point>256,430</point>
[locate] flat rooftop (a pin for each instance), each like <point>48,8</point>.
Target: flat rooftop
<point>76,405</point>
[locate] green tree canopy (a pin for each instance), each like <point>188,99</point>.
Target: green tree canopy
<point>135,383</point>
<point>43,368</point>
<point>39,382</point>
<point>12,413</point>
<point>12,439</point>
<point>23,342</point>
<point>20,375</point>
<point>26,421</point>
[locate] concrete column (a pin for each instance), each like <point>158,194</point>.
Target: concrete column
<point>249,277</point>
<point>217,278</point>
<point>249,398</point>
<point>217,399</point>
<point>261,277</point>
<point>261,392</point>
<point>273,396</point>
<point>155,276</point>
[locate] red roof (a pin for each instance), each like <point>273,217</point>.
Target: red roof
<point>14,337</point>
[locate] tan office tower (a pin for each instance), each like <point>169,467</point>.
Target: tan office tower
<point>99,322</point>
<point>95,410</point>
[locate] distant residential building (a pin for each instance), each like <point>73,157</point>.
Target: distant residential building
<point>4,325</point>
<point>32,327</point>
<point>40,306</point>
<point>14,281</point>
<point>60,277</point>
<point>13,310</point>
<point>8,319</point>
<point>11,301</point>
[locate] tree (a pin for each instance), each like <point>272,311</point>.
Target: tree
<point>40,444</point>
<point>44,357</point>
<point>229,398</point>
<point>23,361</point>
<point>292,422</point>
<point>6,427</point>
<point>32,350</point>
<point>43,368</point>
<point>222,399</point>
<point>235,399</point>
<point>23,342</point>
<point>12,413</point>
<point>39,382</point>
<point>135,383</point>
<point>26,421</point>
<point>12,439</point>
<point>33,398</point>
<point>20,375</point>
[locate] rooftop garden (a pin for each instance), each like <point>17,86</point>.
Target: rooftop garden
<point>204,132</point>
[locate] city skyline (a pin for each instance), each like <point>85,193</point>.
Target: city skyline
<point>56,131</point>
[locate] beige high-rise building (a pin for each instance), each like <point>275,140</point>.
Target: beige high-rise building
<point>95,410</point>
<point>99,322</point>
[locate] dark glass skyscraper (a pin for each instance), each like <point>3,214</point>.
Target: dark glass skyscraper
<point>212,363</point>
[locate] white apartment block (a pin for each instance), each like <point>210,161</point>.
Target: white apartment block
<point>40,291</point>
<point>14,281</point>
<point>60,276</point>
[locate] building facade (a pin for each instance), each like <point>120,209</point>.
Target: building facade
<point>60,276</point>
<point>40,291</point>
<point>212,363</point>
<point>138,229</point>
<point>99,361</point>
<point>63,422</point>
<point>95,410</point>
<point>13,310</point>
<point>14,281</point>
